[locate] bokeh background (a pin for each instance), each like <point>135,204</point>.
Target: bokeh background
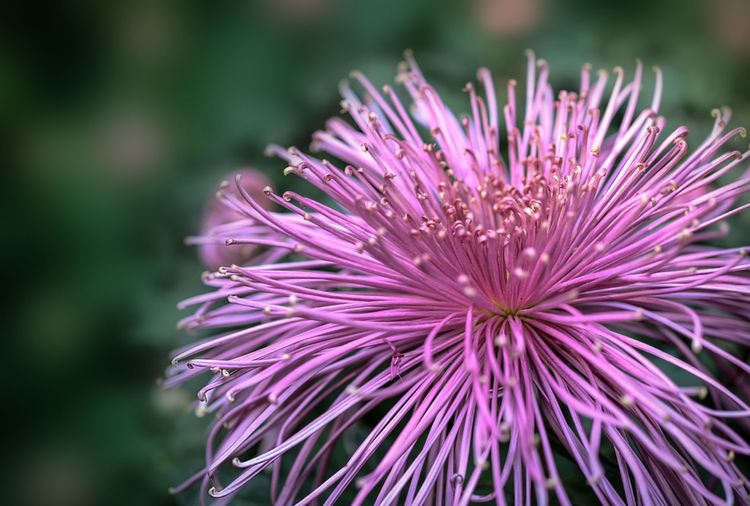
<point>117,119</point>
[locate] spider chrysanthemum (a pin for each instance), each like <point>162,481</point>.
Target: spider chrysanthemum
<point>480,300</point>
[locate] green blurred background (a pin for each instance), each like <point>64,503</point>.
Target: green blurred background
<point>117,120</point>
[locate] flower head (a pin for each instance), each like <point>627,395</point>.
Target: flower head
<point>488,294</point>
<point>220,220</point>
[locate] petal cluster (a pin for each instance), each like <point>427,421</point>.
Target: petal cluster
<point>490,295</point>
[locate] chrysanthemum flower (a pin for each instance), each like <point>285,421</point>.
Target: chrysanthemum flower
<point>217,217</point>
<point>487,309</point>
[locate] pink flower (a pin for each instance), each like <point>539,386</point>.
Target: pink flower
<point>507,17</point>
<point>484,306</point>
<point>221,222</point>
